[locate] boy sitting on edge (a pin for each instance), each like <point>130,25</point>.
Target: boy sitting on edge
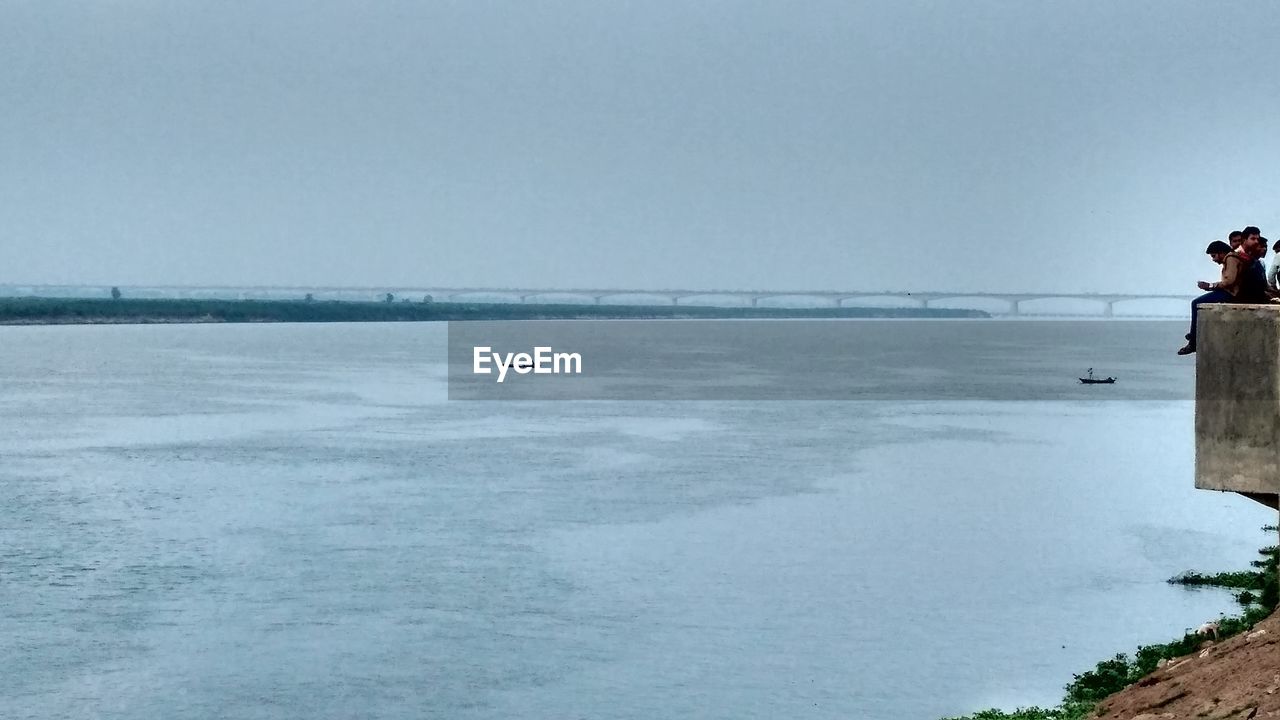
<point>1223,291</point>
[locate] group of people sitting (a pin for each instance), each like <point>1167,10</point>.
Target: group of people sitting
<point>1245,278</point>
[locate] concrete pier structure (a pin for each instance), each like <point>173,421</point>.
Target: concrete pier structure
<point>1238,401</point>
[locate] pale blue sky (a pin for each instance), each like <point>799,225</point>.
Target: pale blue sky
<point>976,145</point>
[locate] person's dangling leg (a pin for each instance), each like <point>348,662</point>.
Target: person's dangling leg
<point>1213,296</point>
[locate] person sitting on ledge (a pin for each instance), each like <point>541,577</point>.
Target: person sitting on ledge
<point>1223,291</point>
<point>1234,238</point>
<point>1269,292</point>
<point>1253,283</point>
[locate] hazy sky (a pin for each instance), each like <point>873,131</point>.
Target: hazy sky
<point>968,145</point>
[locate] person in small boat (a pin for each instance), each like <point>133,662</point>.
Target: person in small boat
<point>1224,291</point>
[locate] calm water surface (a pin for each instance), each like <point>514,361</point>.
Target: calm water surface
<point>283,521</point>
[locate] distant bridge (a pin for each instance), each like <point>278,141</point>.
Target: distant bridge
<point>1025,304</point>
<point>1005,304</point>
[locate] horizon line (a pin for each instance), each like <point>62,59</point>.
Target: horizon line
<point>474,288</point>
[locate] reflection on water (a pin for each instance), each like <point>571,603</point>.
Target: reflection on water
<point>290,521</point>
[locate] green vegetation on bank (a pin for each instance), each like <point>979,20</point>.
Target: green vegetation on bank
<point>1259,588</point>
<point>1239,579</point>
<point>35,311</point>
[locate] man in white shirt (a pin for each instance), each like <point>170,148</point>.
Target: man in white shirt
<point>1275,267</point>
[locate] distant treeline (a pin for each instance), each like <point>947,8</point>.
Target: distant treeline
<point>124,310</point>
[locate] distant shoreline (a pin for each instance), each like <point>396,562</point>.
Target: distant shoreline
<point>126,311</point>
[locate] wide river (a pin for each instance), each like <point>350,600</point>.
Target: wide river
<point>292,521</point>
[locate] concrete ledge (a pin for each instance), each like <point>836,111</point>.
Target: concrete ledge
<point>1238,400</point>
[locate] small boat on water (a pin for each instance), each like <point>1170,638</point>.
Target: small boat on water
<point>1091,380</point>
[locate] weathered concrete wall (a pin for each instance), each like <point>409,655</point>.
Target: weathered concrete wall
<point>1238,400</point>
